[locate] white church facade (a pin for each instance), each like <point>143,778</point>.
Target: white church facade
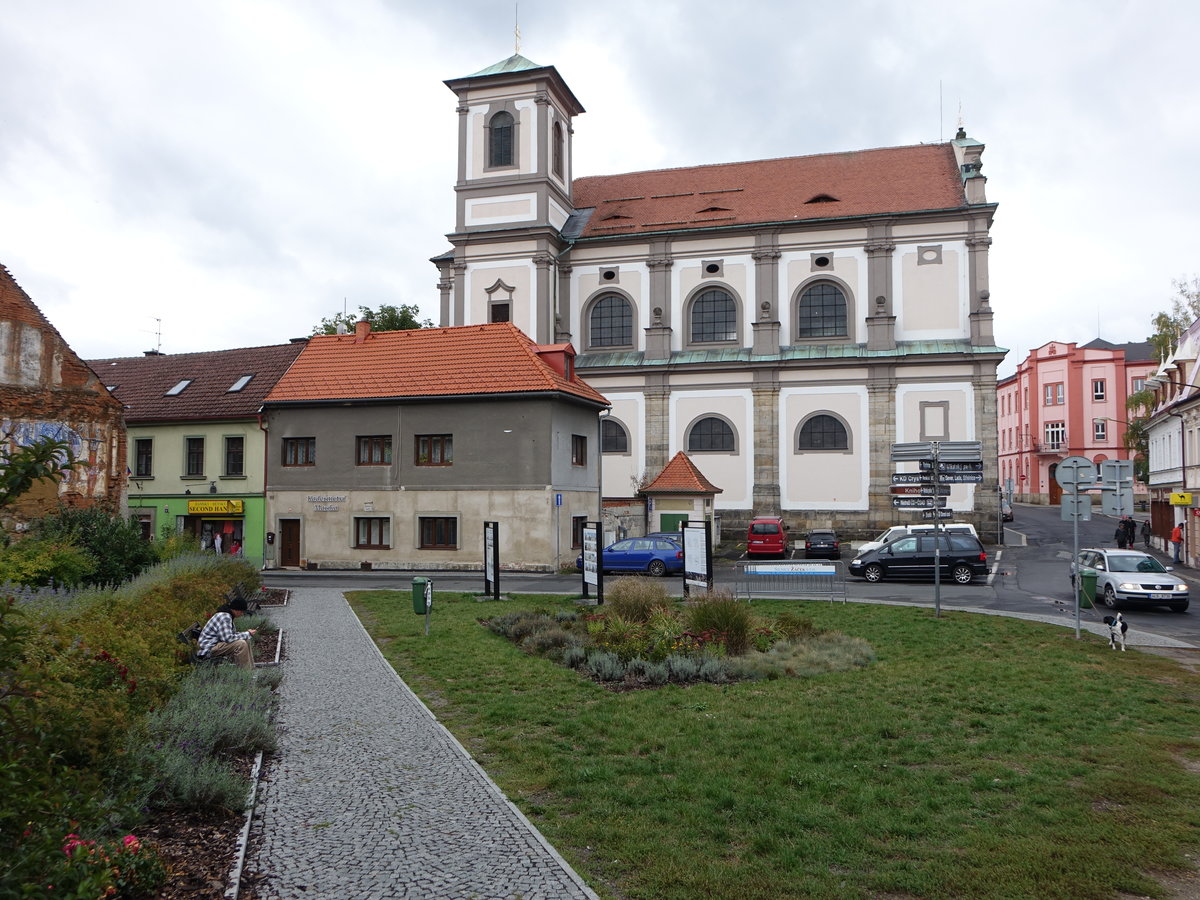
<point>782,321</point>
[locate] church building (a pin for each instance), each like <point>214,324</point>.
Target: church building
<point>782,321</point>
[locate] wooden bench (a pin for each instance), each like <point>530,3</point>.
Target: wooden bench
<point>251,598</point>
<point>190,637</point>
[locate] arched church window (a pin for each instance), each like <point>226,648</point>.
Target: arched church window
<point>821,312</point>
<point>500,139</point>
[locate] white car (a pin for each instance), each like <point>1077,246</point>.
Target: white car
<point>1130,577</point>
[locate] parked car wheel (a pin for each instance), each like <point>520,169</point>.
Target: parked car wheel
<point>873,573</point>
<point>1179,607</point>
<point>962,574</point>
<point>1110,597</point>
<point>657,568</point>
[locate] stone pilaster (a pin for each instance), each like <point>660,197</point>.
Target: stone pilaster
<point>460,294</point>
<point>881,319</point>
<point>766,290</point>
<point>564,325</point>
<point>658,337</point>
<point>658,419</point>
<point>767,500</point>
<point>659,263</point>
<point>881,406</point>
<point>543,314</point>
<point>445,285</point>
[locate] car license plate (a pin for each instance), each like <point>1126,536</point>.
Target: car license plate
<point>1160,596</point>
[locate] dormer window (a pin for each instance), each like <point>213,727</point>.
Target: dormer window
<point>239,384</point>
<point>178,389</point>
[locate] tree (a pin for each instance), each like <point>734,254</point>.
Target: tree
<point>1170,324</point>
<point>115,544</point>
<point>1137,434</point>
<point>22,466</point>
<point>387,318</point>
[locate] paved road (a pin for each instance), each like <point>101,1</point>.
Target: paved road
<point>371,797</point>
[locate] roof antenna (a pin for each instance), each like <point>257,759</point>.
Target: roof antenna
<point>941,114</point>
<point>342,328</point>
<point>158,335</point>
<point>962,131</point>
<point>516,29</point>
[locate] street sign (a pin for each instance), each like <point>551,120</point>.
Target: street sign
<point>1181,499</point>
<point>912,478</point>
<point>1077,507</point>
<point>961,478</point>
<point>952,465</point>
<point>922,490</point>
<point>937,513</point>
<point>917,502</point>
<point>913,450</point>
<point>1075,471</point>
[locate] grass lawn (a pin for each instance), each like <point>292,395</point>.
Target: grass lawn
<point>978,757</point>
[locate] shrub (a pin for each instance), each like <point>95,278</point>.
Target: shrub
<point>682,668</point>
<point>605,666</point>
<point>574,657</point>
<point>551,642</point>
<point>38,563</point>
<point>792,626</point>
<point>721,614</point>
<point>712,669</point>
<point>636,599</point>
<point>115,544</point>
<point>623,637</point>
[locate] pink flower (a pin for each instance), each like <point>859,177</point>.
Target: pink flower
<point>132,843</point>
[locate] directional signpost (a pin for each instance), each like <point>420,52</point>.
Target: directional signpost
<point>941,464</point>
<point>1076,473</point>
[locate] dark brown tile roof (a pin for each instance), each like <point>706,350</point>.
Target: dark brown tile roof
<point>680,476</point>
<point>142,382</point>
<point>829,185</point>
<point>496,358</point>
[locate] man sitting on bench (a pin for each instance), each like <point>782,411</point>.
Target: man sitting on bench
<point>218,639</point>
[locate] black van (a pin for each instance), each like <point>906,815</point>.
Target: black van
<point>912,556</point>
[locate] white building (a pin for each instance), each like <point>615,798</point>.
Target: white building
<point>782,321</point>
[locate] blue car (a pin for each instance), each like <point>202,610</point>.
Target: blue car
<point>652,555</point>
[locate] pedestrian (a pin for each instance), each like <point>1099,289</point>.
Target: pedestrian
<point>217,543</point>
<point>235,549</point>
<point>218,639</point>
<point>1177,539</point>
<point>1120,536</point>
<point>1130,531</point>
<point>1146,533</point>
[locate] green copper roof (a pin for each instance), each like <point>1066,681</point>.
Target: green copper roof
<point>785,354</point>
<point>515,63</point>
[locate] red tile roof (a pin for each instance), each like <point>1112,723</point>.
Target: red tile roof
<point>680,476</point>
<point>829,185</point>
<point>495,358</point>
<point>142,382</point>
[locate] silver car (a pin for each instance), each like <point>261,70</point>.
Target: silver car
<point>1129,578</point>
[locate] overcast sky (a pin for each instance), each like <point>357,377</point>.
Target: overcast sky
<point>240,169</point>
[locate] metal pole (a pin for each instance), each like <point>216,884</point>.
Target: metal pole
<point>1078,582</point>
<point>937,539</point>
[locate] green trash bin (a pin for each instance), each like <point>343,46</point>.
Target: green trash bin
<point>1087,588</point>
<point>418,594</point>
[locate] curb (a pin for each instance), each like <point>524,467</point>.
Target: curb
<point>239,860</point>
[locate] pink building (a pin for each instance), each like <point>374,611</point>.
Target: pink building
<point>1066,400</point>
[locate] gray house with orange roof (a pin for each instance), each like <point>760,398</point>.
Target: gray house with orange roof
<point>782,321</point>
<point>389,450</point>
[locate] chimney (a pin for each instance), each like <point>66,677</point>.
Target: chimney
<point>361,329</point>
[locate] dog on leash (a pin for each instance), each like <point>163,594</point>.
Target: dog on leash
<point>1117,626</point>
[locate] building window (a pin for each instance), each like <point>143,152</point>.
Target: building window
<point>499,311</point>
<point>235,456</point>
<point>822,432</point>
<point>557,138</point>
<point>300,451</point>
<point>373,450</point>
<point>239,384</point>
<point>1098,391</point>
<point>179,387</point>
<point>714,317</point>
<point>1052,394</point>
<point>372,533</point>
<point>1100,430</point>
<point>193,466</point>
<point>821,312</point>
<point>500,140</point>
<point>610,323</point>
<point>578,450</point>
<point>712,434</point>
<point>613,437</point>
<point>435,449</point>
<point>1056,434</point>
<point>1139,384</point>
<point>438,532</point>
<point>143,458</point>
<point>577,523</point>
